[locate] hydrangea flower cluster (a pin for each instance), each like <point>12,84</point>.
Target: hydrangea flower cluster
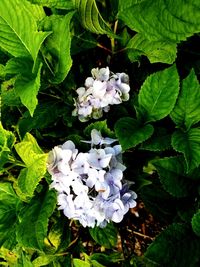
<point>89,185</point>
<point>101,90</point>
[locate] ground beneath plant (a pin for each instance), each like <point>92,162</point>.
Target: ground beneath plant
<point>137,231</point>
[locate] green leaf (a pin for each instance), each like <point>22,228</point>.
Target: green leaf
<point>131,133</point>
<point>2,73</point>
<point>99,126</point>
<point>158,201</point>
<point>107,259</point>
<point>61,4</point>
<point>188,143</point>
<point>80,263</point>
<point>7,140</point>
<point>156,51</point>
<point>45,114</point>
<point>58,44</point>
<point>126,4</point>
<point>186,112</point>
<point>158,94</point>
<point>8,93</point>
<point>171,173</point>
<point>159,141</point>
<point>196,223</point>
<point>27,88</point>
<point>35,161</point>
<point>176,246</point>
<point>33,226</point>
<point>106,237</point>
<point>19,35</point>
<point>36,10</point>
<point>11,257</point>
<point>163,20</point>
<point>9,203</point>
<point>91,18</point>
<point>43,260</point>
<point>26,83</point>
<point>83,41</point>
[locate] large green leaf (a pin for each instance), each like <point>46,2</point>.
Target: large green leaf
<point>130,132</point>
<point>19,35</point>
<point>156,51</point>
<point>106,237</point>
<point>196,223</point>
<point>9,203</point>
<point>35,161</point>
<point>58,44</point>
<point>171,173</point>
<point>176,246</point>
<point>158,94</point>
<point>62,4</point>
<point>163,20</point>
<point>34,220</point>
<point>187,109</point>
<point>188,143</point>
<point>7,140</point>
<point>90,17</point>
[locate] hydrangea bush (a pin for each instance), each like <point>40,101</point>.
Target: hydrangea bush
<point>125,76</point>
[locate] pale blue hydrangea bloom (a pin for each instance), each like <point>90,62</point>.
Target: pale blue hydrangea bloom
<point>90,185</point>
<point>101,91</point>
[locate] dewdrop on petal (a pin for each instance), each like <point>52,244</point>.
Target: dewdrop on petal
<point>101,91</point>
<point>90,185</point>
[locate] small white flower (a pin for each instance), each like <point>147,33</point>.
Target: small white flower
<point>101,74</point>
<point>99,89</point>
<point>98,159</point>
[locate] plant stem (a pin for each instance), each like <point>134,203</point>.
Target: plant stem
<point>113,39</point>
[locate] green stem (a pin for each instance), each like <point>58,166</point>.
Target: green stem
<point>113,39</point>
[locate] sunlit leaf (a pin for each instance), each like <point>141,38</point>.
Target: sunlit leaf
<point>62,4</point>
<point>35,161</point>
<point>19,35</point>
<point>7,140</point>
<point>156,51</point>
<point>90,17</point>
<point>163,20</point>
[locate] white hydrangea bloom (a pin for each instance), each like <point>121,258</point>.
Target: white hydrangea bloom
<point>90,185</point>
<point>101,91</point>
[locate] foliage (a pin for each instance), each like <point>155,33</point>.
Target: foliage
<point>47,50</point>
